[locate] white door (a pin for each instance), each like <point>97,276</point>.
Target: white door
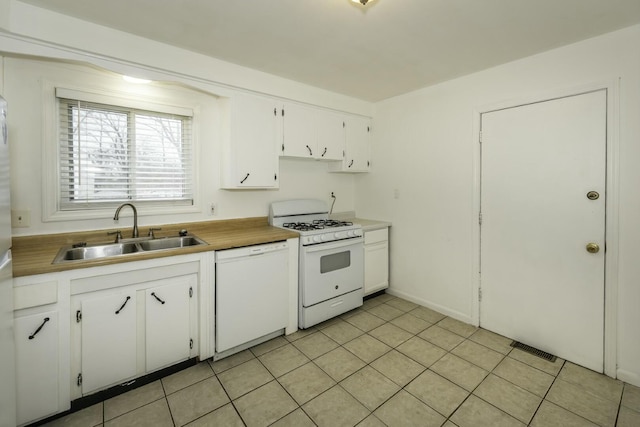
<point>539,284</point>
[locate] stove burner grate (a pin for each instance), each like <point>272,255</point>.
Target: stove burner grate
<point>302,226</point>
<point>332,223</point>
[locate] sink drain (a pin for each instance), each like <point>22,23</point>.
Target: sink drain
<point>532,350</point>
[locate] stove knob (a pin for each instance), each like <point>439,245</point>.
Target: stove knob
<point>341,235</point>
<point>316,238</point>
<point>325,237</point>
<point>351,233</point>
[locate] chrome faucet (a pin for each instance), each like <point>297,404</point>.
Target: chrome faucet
<point>135,217</point>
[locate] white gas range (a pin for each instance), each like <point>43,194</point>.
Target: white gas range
<point>331,270</point>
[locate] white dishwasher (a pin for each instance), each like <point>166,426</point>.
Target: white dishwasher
<point>252,293</point>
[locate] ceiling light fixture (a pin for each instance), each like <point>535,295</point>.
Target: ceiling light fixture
<point>362,2</point>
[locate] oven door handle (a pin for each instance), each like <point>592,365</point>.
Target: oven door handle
<point>333,245</point>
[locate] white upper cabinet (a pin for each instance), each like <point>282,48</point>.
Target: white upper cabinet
<point>331,135</point>
<point>250,146</point>
<point>357,146</point>
<point>311,133</point>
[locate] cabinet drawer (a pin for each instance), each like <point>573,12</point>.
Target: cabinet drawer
<point>376,236</point>
<point>35,295</point>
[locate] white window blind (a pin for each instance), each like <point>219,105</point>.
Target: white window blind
<point>112,154</point>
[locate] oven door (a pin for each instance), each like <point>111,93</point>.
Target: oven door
<point>328,270</point>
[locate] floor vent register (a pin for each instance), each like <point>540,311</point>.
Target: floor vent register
<point>532,350</point>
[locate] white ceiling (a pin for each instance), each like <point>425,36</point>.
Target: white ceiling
<point>386,49</point>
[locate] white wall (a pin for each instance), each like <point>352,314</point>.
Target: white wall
<point>37,38</point>
<point>29,91</point>
<point>424,146</point>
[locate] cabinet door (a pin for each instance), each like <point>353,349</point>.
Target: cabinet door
<point>108,339</point>
<point>376,260</point>
<point>253,142</point>
<point>36,365</point>
<point>299,135</point>
<point>357,144</point>
<point>167,322</point>
<point>331,136</point>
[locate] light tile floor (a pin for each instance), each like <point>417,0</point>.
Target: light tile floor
<point>391,363</point>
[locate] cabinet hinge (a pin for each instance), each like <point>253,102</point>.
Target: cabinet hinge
<point>191,292</point>
<point>368,163</point>
<point>79,380</point>
<point>283,112</point>
<point>275,112</point>
<point>480,294</point>
<point>275,176</point>
<point>342,153</point>
<point>368,129</point>
<point>343,124</point>
<point>78,316</point>
<point>480,137</point>
<point>283,148</point>
<point>480,218</point>
<point>191,343</point>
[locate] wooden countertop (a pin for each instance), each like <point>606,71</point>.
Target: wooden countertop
<point>34,254</point>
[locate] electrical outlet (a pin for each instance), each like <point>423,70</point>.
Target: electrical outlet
<point>214,209</point>
<point>20,218</point>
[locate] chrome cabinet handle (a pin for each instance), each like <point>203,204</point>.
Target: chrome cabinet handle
<point>245,178</point>
<point>310,152</point>
<point>324,152</point>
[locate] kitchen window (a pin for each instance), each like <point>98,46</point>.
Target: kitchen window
<point>112,152</point>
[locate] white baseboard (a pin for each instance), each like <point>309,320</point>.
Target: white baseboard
<point>463,317</point>
<point>632,378</point>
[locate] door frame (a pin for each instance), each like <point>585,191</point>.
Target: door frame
<point>612,202</point>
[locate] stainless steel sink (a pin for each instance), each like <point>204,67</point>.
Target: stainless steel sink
<point>89,252</point>
<point>170,243</point>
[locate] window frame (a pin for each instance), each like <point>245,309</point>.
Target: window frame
<point>51,197</point>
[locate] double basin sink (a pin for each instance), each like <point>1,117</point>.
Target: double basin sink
<point>131,246</point>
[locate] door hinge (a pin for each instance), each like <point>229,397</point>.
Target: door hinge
<point>191,343</point>
<point>480,218</point>
<point>78,316</point>
<point>79,380</point>
<point>190,291</point>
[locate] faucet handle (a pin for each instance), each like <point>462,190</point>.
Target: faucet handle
<point>151,230</point>
<point>118,234</point>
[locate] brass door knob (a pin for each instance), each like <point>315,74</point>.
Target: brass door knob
<point>593,248</point>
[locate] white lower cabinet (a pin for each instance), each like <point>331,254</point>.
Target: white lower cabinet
<point>109,339</point>
<point>168,322</point>
<point>37,358</point>
<point>376,260</point>
<point>132,330</point>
